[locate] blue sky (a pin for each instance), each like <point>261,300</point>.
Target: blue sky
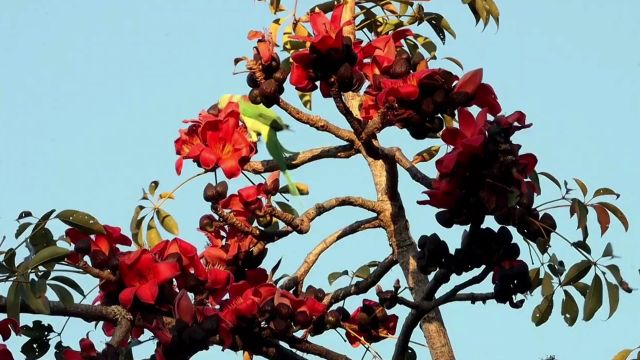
<point>92,94</point>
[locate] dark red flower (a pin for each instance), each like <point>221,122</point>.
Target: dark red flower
<point>141,274</point>
<point>382,52</point>
<point>370,323</point>
<point>7,326</point>
<point>87,351</point>
<point>475,92</point>
<point>5,353</point>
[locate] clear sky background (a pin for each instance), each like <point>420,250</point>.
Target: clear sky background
<point>92,94</point>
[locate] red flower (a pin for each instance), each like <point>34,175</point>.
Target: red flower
<point>87,351</point>
<point>216,141</point>
<point>382,52</point>
<point>101,245</point>
<point>186,254</point>
<point>265,48</point>
<point>477,93</point>
<point>328,51</point>
<point>467,140</point>
<point>370,323</point>
<point>5,353</point>
<point>7,326</point>
<point>246,202</point>
<point>142,274</point>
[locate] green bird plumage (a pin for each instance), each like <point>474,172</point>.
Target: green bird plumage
<point>264,122</point>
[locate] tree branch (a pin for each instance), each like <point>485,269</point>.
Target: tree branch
<point>302,158</point>
<point>314,349</point>
<point>318,123</point>
<point>362,286</point>
<point>423,308</point>
<point>302,224</point>
<point>310,260</point>
<point>344,109</point>
<point>415,173</point>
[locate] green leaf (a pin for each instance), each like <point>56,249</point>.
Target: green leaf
<point>551,178</point>
<point>31,300</point>
<point>362,272</point>
<point>22,228</point>
<point>542,312</point>
<point>593,302</point>
<point>582,186</point>
<point>579,208</point>
<point>134,219</point>
<point>305,99</point>
<point>62,293</point>
<point>138,235</point>
<point>582,288</point>
<point>569,309</point>
<point>425,43</point>
<point>48,254</point>
<point>72,284</point>
<point>547,285</point>
<point>167,221</point>
<point>426,154</point>
<point>534,275</point>
<point>608,251</point>
<point>455,61</point>
<point>623,355</point>
<point>10,259</point>
<point>13,301</point>
<point>615,272</point>
<point>153,235</point>
<point>332,277</point>
<point>81,221</point>
<point>614,297</point>
<point>617,213</point>
<point>34,349</point>
<point>576,272</point>
<point>287,208</point>
<point>24,214</point>
<point>605,192</point>
<point>153,186</point>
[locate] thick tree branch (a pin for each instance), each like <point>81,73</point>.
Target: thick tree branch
<point>424,307</point>
<point>473,297</point>
<point>364,285</point>
<point>310,260</point>
<point>302,158</point>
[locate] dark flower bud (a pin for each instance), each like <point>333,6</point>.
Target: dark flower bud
<point>302,319</point>
<point>255,97</point>
<point>333,319</point>
<point>252,81</point>
<point>284,311</point>
<point>83,247</point>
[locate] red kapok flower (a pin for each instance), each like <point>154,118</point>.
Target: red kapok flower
<point>7,326</point>
<point>216,141</point>
<point>477,93</point>
<point>186,253</point>
<point>101,245</point>
<point>142,274</point>
<point>87,351</point>
<point>370,323</point>
<point>5,353</point>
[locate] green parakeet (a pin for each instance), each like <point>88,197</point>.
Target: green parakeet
<point>263,122</point>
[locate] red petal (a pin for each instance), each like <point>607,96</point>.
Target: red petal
<point>183,308</point>
<point>126,297</point>
<point>148,292</point>
<point>179,163</point>
<point>164,271</point>
<point>469,82</point>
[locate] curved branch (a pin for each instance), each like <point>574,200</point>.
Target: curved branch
<point>318,122</point>
<point>302,158</point>
<point>344,109</point>
<point>313,256</point>
<point>302,224</point>
<point>364,285</point>
<point>415,173</point>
